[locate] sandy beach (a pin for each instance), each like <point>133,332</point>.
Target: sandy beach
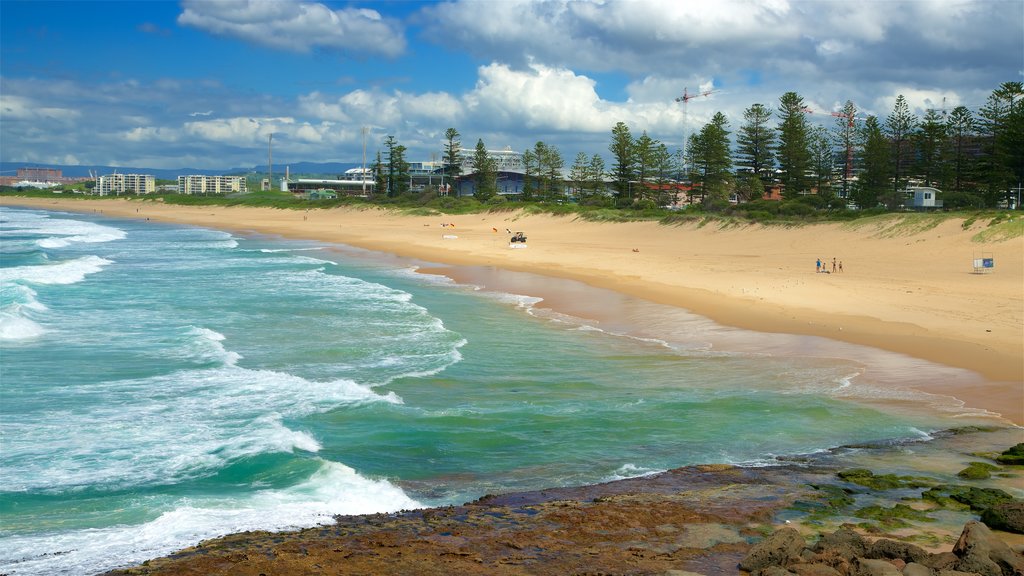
<point>905,289</point>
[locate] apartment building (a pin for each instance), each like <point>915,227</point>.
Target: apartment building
<point>125,184</point>
<point>211,185</point>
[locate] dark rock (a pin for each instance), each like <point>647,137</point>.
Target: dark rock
<point>778,549</point>
<point>843,542</point>
<point>805,569</point>
<point>1014,455</point>
<point>981,552</point>
<point>885,549</point>
<point>942,561</point>
<point>775,571</point>
<point>915,569</point>
<point>1007,516</point>
<point>872,567</point>
<point>981,498</point>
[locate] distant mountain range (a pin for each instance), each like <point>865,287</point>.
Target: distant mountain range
<point>79,171</point>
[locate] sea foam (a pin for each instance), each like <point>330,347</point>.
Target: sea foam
<point>66,272</point>
<point>332,489</point>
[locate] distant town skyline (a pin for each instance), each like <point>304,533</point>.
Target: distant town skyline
<point>203,84</point>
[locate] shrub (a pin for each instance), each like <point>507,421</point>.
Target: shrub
<point>796,208</point>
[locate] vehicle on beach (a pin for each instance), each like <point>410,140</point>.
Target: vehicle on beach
<point>518,237</point>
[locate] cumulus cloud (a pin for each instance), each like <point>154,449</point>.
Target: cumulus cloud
<point>16,107</point>
<point>297,26</point>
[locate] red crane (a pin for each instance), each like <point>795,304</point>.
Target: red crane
<point>849,144</point>
<point>685,99</point>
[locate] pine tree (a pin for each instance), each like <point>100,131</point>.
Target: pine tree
<point>792,152</point>
<point>899,127</point>
<point>932,144</point>
<point>755,141</point>
<point>822,160</point>
<point>486,175</point>
<point>623,151</point>
<point>877,163</point>
<point>596,175</point>
<point>961,129</point>
<point>452,160</point>
<point>579,174</point>
<point>714,161</point>
<point>643,151</point>
<point>1002,131</point>
<point>845,133</point>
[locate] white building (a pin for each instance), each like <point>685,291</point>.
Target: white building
<point>125,184</point>
<point>507,160</point>
<point>923,197</point>
<point>211,185</point>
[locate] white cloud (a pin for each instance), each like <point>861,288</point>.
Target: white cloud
<point>297,26</point>
<point>151,134</point>
<point>16,107</point>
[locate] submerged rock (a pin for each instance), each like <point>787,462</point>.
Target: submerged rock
<point>1007,516</point>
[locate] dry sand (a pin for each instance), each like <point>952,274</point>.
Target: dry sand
<point>906,290</point>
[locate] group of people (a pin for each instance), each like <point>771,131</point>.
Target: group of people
<point>821,266</point>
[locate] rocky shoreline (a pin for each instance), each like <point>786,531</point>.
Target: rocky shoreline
<point>695,520</point>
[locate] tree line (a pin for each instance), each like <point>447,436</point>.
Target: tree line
<point>976,159</point>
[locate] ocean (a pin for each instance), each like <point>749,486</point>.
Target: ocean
<point>162,384</point>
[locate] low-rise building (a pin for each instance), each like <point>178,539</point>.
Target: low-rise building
<point>211,185</point>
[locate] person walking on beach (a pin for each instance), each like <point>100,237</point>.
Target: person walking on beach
<point>833,265</point>
<point>817,265</point>
<point>840,265</point>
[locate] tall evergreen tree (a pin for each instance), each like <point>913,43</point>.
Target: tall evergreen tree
<point>551,163</point>
<point>961,129</point>
<point>793,156</point>
<point>623,151</point>
<point>755,142</point>
<point>822,160</point>
<point>899,127</point>
<point>452,160</point>
<point>846,134</point>
<point>663,169</point>
<point>932,144</point>
<point>380,176</point>
<point>596,175</point>
<point>1002,131</point>
<point>486,177</point>
<point>643,151</point>
<point>398,176</point>
<point>714,161</point>
<point>877,162</point>
<point>529,174</point>
<point>579,174</point>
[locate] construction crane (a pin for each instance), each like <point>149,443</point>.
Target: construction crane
<point>850,118</point>
<point>685,99</point>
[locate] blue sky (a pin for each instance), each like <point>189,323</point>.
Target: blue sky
<point>203,83</point>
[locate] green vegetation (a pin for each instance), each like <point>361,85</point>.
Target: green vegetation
<point>868,479</point>
<point>892,518</point>
<point>1012,456</point>
<point>977,471</point>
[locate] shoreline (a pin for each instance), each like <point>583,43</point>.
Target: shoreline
<point>945,319</point>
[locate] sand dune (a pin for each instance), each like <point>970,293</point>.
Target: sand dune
<point>905,288</point>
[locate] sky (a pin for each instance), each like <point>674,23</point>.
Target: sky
<point>204,83</point>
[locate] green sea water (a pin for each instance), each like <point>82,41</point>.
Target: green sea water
<point>164,384</point>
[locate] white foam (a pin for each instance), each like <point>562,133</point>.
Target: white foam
<point>182,425</point>
<point>630,470</point>
<point>209,345</point>
<point>67,272</point>
<point>58,232</point>
<point>14,327</point>
<point>332,489</point>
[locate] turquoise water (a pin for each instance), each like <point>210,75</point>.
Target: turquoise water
<point>163,384</point>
